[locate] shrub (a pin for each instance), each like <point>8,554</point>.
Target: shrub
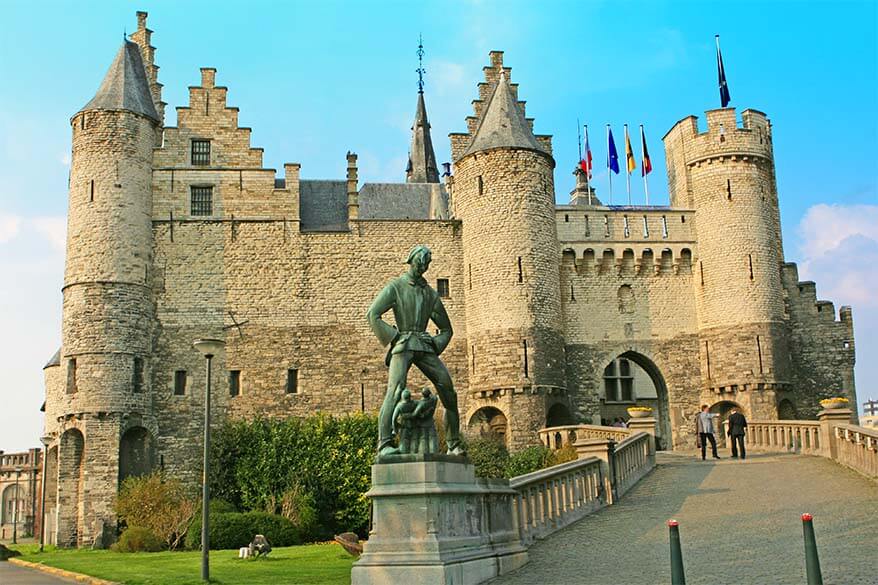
<point>138,539</point>
<point>489,457</point>
<point>158,504</point>
<point>563,455</point>
<point>528,460</point>
<point>297,506</point>
<point>257,462</point>
<point>232,530</point>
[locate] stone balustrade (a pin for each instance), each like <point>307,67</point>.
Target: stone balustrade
<point>832,436</point>
<point>550,499</point>
<point>857,448</point>
<point>610,462</point>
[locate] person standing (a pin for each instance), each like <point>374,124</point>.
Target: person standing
<point>737,424</point>
<point>704,428</point>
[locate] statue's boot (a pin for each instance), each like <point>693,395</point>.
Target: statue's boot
<point>388,450</point>
<point>457,450</point>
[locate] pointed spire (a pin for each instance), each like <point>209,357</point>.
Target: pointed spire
<point>503,123</point>
<point>422,160</point>
<point>125,87</point>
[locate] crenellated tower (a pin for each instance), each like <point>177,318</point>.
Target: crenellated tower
<point>503,192</point>
<point>105,421</point>
<point>727,175</point>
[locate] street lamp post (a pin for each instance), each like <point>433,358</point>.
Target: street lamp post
<point>45,440</point>
<point>208,348</point>
<point>15,508</point>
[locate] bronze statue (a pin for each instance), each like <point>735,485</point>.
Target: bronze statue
<point>414,304</point>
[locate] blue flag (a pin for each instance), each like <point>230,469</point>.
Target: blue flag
<point>612,155</point>
<point>724,96</point>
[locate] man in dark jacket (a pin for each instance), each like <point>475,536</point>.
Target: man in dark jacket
<point>737,424</point>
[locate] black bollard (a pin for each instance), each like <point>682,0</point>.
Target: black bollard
<point>812,561</point>
<point>678,576</point>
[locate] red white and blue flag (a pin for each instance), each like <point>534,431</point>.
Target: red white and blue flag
<point>586,163</point>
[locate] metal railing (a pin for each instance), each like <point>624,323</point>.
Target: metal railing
<point>552,498</point>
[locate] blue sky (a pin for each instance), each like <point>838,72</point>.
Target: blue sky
<point>316,79</point>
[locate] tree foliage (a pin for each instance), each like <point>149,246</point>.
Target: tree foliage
<point>322,458</point>
<point>159,504</point>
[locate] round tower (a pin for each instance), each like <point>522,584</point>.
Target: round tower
<point>108,310</point>
<point>504,195</point>
<point>727,175</point>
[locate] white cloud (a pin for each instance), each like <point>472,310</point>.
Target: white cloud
<point>10,225</point>
<point>65,159</point>
<point>54,229</point>
<point>825,227</point>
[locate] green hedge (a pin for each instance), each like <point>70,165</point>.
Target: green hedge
<point>254,463</point>
<point>232,530</point>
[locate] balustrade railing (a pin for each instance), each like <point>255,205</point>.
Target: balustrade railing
<point>558,437</point>
<point>832,436</point>
<point>552,498</point>
<point>857,448</point>
<point>633,458</point>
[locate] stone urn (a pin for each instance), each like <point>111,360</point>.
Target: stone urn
<point>639,413</point>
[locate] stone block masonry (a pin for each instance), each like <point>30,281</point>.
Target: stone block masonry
<point>176,233</point>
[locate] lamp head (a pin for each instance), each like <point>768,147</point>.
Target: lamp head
<point>46,440</point>
<point>209,347</point>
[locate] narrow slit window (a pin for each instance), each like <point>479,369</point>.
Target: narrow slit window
<point>729,189</point>
<point>481,185</point>
<point>566,218</point>
<point>200,152</point>
<point>526,364</point>
<point>137,375</point>
<point>442,288</point>
<point>701,271</point>
<point>626,226</point>
<point>234,382</point>
<point>91,190</point>
<point>473,352</point>
<point>292,381</point>
<point>759,354</point>
<point>572,296</point>
<point>180,382</point>
<point>202,201</point>
<point>750,262</point>
<point>469,269</point>
<point>71,376</point>
<point>707,356</point>
<point>362,398</point>
<point>665,227</point>
<point>520,271</point>
<point>645,227</point>
<point>606,226</point>
<point>587,228</point>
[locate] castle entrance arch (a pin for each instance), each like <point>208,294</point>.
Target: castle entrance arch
<point>71,453</point>
<point>135,453</point>
<point>558,416</point>
<point>723,410</point>
<point>488,423</point>
<point>632,379</point>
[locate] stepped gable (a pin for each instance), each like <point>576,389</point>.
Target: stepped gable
<point>503,123</point>
<point>125,87</point>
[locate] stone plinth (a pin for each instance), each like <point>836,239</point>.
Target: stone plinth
<point>434,523</point>
<point>646,425</point>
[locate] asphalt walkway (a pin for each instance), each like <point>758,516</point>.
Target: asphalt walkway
<point>11,574</point>
<point>740,523</point>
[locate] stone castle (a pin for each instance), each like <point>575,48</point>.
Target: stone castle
<point>562,313</point>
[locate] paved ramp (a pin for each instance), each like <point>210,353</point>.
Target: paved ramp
<point>739,523</point>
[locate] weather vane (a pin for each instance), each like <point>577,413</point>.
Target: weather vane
<point>420,69</point>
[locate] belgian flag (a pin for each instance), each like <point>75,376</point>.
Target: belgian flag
<point>646,167</point>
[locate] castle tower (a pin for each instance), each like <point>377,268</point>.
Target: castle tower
<point>106,428</point>
<point>504,195</point>
<point>422,160</point>
<point>727,175</point>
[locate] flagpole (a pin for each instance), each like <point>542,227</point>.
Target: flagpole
<point>588,165</point>
<point>643,163</point>
<point>609,173</point>
<point>627,170</point>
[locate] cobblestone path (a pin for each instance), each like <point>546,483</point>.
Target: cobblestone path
<point>740,523</point>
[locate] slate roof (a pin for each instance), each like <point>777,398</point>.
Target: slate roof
<point>323,206</point>
<point>503,123</point>
<point>125,87</point>
<point>55,361</point>
<point>422,159</point>
<point>403,201</point>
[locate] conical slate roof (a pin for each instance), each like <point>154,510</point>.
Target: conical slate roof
<point>125,87</point>
<point>422,160</point>
<point>503,124</point>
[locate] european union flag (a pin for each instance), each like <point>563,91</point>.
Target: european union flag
<point>612,155</point>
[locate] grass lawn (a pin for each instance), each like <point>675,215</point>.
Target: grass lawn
<point>313,564</point>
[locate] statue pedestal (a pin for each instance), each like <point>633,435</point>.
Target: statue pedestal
<point>434,523</point>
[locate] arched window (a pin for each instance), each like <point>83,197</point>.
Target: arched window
<point>489,423</point>
<point>618,381</point>
<point>7,501</point>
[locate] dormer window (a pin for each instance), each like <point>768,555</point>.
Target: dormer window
<point>200,152</point>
